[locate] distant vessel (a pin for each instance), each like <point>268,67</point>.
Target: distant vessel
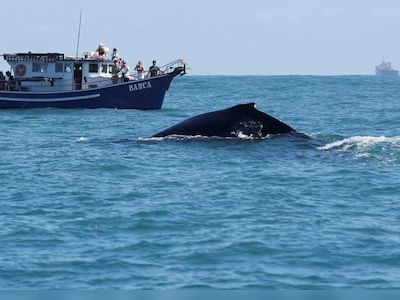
<point>385,69</point>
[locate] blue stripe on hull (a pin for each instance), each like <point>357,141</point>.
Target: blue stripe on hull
<point>143,94</point>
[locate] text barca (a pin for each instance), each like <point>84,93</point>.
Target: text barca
<point>139,86</point>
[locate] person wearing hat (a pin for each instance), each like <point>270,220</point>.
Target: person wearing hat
<point>154,70</point>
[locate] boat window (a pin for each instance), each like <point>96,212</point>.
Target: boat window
<point>59,67</point>
<point>39,67</point>
<point>67,68</point>
<point>93,68</point>
<point>110,69</point>
<point>104,68</point>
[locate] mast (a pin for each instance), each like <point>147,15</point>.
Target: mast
<point>79,35</point>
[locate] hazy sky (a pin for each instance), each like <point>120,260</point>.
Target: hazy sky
<point>261,37</point>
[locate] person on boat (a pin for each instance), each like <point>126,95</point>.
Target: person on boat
<point>154,70</point>
<point>101,51</point>
<point>124,70</point>
<point>140,70</point>
<point>2,81</point>
<point>11,83</point>
<point>114,54</point>
<point>114,71</point>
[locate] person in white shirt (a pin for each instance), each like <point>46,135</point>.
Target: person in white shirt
<point>124,71</point>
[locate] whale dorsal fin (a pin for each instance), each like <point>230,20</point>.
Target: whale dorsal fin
<point>245,106</point>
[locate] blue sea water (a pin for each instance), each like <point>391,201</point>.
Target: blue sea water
<point>87,201</point>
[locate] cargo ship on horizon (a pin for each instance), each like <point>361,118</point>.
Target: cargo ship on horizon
<point>385,69</point>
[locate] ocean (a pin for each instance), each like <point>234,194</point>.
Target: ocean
<point>88,201</point>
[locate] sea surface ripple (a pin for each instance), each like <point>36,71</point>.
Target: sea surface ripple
<point>87,201</point>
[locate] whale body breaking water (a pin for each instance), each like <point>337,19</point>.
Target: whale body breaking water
<point>239,120</point>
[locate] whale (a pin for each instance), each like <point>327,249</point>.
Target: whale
<point>242,120</point>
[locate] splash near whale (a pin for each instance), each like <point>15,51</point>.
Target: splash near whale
<point>237,121</point>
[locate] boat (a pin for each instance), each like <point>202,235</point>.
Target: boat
<point>55,80</point>
<point>385,69</point>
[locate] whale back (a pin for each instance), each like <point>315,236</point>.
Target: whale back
<point>232,122</point>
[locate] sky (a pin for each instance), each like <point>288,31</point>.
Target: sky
<point>215,37</point>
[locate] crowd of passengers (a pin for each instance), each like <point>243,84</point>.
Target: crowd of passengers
<point>121,69</point>
<point>7,82</point>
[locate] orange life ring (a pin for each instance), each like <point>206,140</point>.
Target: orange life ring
<point>20,70</point>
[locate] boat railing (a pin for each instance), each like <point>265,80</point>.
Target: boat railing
<point>176,64</point>
<point>86,83</point>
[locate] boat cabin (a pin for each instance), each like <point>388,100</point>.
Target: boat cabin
<point>55,72</point>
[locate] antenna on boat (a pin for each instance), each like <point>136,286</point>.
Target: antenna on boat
<point>79,35</point>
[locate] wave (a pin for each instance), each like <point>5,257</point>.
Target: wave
<point>82,139</point>
<point>176,137</point>
<point>362,142</point>
<point>239,135</point>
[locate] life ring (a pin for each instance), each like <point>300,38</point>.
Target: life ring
<point>20,70</point>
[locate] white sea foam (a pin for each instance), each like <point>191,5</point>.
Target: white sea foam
<point>243,136</point>
<point>175,137</point>
<point>361,142</point>
<point>82,139</point>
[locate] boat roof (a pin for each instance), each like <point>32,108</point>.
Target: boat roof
<point>29,56</point>
<point>46,57</point>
